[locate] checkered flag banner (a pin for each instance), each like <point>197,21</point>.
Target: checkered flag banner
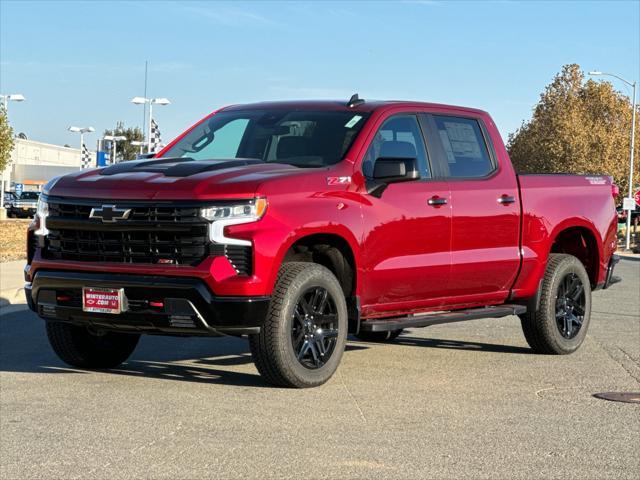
<point>86,157</point>
<point>155,136</point>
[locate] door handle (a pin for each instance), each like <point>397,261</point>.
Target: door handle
<point>437,201</point>
<point>506,199</point>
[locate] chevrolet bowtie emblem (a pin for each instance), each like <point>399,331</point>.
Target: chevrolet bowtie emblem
<point>110,213</point>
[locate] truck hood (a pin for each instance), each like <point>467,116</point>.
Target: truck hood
<point>171,179</point>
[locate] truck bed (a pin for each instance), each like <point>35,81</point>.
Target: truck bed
<point>582,200</point>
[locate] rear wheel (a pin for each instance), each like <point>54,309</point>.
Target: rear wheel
<point>379,337</point>
<point>561,322</point>
<point>82,348</point>
<point>304,335</point>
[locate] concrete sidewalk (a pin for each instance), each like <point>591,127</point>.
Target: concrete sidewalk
<point>12,283</point>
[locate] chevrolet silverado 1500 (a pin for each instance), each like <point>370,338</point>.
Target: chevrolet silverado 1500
<point>295,223</point>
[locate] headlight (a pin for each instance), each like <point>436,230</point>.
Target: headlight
<point>233,214</point>
<point>42,212</point>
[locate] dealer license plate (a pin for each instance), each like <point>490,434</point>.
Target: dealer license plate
<point>103,300</point>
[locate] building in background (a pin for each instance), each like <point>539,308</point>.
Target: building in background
<point>35,163</point>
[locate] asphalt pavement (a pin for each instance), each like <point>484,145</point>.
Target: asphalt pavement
<point>466,400</point>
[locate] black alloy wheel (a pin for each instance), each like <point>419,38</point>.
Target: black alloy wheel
<point>314,330</point>
<point>570,306</point>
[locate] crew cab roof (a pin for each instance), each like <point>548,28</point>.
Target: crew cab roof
<point>338,105</point>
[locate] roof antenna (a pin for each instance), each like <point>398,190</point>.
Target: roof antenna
<point>354,101</point>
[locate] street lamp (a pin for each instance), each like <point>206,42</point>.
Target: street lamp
<point>114,140</point>
<point>137,143</point>
<point>81,131</point>
<point>633,137</point>
<point>14,97</point>
<point>151,102</point>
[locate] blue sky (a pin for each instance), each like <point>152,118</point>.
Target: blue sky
<point>80,63</point>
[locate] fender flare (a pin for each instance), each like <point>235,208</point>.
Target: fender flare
<point>304,231</point>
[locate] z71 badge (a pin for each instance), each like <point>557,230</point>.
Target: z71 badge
<point>338,180</point>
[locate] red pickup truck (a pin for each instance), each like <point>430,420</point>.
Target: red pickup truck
<point>296,223</point>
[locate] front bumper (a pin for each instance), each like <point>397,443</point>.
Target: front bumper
<point>189,307</point>
<point>22,211</point>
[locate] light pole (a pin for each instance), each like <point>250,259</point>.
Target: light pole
<point>114,140</point>
<point>151,102</point>
<point>14,97</point>
<point>81,131</point>
<point>137,143</point>
<point>633,138</point>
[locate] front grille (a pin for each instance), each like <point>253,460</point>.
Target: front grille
<point>173,235</point>
<point>145,213</point>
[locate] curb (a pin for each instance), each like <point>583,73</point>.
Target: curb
<point>11,296</point>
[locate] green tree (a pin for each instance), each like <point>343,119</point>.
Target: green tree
<point>125,150</point>
<point>577,127</point>
<point>6,139</point>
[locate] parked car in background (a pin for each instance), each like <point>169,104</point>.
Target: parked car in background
<point>25,206</point>
<point>9,198</point>
<point>622,215</point>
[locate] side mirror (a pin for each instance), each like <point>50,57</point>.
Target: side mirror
<point>394,170</point>
<point>389,170</point>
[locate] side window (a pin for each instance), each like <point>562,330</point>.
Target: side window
<point>398,137</point>
<point>464,147</point>
<point>226,141</point>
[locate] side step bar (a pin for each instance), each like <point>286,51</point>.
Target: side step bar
<point>426,320</point>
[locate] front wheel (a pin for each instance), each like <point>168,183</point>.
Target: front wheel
<point>304,335</point>
<point>82,348</point>
<point>560,324</point>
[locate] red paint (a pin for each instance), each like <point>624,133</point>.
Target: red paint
<point>409,256</point>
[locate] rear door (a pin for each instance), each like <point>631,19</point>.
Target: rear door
<point>485,226</point>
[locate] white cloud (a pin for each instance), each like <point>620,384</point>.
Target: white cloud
<point>229,16</point>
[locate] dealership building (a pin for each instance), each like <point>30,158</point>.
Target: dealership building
<point>35,163</point>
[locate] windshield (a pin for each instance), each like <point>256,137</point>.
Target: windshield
<point>301,138</point>
<point>29,196</point>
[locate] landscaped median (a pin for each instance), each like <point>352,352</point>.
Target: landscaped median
<point>13,238</point>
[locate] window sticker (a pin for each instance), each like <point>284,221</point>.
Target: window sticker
<point>447,146</point>
<point>351,123</point>
<point>463,140</point>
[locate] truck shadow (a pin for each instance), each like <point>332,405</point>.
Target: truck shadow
<point>25,348</point>
<point>460,345</point>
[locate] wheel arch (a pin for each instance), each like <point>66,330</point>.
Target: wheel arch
<point>334,249</point>
<point>579,238</point>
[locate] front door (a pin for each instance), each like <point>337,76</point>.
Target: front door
<point>406,243</point>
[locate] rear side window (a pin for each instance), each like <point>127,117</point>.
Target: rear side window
<point>464,147</point>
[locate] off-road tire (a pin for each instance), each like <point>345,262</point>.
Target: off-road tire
<point>80,348</point>
<point>540,327</point>
<point>272,348</point>
<point>379,337</point>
